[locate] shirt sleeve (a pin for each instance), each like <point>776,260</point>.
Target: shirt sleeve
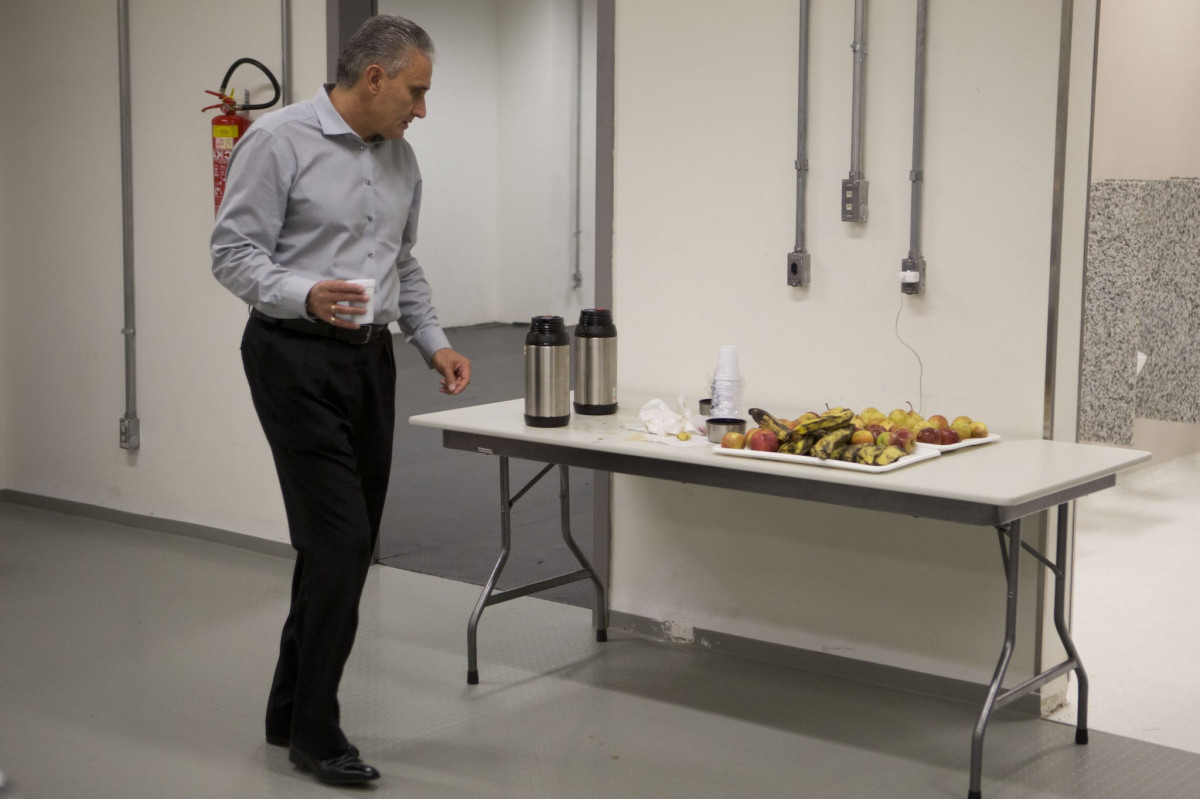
<point>244,237</point>
<point>418,319</point>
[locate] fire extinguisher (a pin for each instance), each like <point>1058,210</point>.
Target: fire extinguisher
<point>229,126</point>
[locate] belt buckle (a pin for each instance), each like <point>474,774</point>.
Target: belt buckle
<point>366,334</point>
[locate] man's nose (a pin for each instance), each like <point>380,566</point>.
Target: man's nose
<point>419,109</point>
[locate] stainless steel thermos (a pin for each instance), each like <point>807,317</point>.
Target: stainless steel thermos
<point>595,355</point>
<point>547,373</point>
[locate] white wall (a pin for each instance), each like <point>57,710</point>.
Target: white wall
<point>1147,79</point>
<point>705,196</point>
<point>496,154</point>
<point>203,458</point>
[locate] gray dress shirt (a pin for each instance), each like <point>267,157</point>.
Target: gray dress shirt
<point>308,200</point>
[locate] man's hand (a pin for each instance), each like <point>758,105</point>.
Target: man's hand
<point>330,297</point>
<point>454,369</point>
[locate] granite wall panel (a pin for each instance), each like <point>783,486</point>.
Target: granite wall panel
<point>1142,294</point>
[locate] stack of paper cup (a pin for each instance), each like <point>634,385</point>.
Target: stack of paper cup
<point>727,384</point>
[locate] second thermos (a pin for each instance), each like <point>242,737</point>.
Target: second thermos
<point>595,355</point>
<point>547,373</point>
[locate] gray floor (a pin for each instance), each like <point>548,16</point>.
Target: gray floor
<point>133,665</point>
<point>443,511</point>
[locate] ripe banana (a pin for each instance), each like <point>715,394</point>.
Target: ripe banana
<point>830,421</point>
<point>825,446</point>
<point>800,445</point>
<point>764,419</point>
<point>850,454</point>
<point>890,454</point>
<point>869,453</point>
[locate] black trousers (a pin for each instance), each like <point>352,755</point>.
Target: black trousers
<point>328,411</point>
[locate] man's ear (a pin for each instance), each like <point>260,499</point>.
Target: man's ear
<point>374,75</point>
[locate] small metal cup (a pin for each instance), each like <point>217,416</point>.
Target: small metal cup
<point>717,428</point>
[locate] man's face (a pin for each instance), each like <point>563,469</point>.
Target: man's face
<point>402,98</point>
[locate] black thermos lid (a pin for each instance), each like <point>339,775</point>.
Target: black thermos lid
<point>596,323</point>
<point>547,331</point>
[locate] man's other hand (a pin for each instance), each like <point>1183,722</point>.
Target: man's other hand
<point>455,370</point>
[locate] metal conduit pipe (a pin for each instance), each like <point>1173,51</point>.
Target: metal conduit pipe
<point>130,433</point>
<point>854,189</point>
<point>912,268</point>
<point>285,65</point>
<point>799,261</point>
<point>577,222</point>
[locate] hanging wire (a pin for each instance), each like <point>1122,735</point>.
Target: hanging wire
<point>920,364</point>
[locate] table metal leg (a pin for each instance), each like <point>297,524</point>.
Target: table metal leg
<point>996,698</point>
<point>1064,632</point>
<point>490,596</point>
<point>601,600</point>
<point>505,545</point>
<point>1012,561</point>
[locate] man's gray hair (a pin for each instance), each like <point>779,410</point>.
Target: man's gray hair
<point>386,40</point>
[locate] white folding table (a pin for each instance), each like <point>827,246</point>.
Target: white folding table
<point>997,485</point>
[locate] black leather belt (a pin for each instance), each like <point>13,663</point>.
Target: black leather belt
<point>364,334</point>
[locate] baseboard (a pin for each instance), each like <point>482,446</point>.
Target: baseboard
<point>822,663</point>
<point>155,523</point>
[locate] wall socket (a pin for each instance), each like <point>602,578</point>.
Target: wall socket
<point>854,200</point>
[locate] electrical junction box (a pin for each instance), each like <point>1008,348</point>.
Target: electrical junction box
<point>854,200</point>
<point>799,268</point>
<point>912,275</point>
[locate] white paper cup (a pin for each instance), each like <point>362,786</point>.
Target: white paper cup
<point>727,361</point>
<point>362,318</point>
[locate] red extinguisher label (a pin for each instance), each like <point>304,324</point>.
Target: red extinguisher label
<point>224,137</point>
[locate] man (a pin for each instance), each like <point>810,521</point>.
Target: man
<point>320,193</point>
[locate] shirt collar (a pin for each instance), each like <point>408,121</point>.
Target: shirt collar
<point>331,121</point>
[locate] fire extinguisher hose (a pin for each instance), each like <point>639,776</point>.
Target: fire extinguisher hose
<point>267,72</point>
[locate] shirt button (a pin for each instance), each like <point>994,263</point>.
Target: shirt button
<point>362,146</point>
<point>368,181</point>
<point>370,255</point>
<point>370,219</point>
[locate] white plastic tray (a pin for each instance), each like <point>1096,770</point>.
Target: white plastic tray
<point>970,442</point>
<point>916,456</point>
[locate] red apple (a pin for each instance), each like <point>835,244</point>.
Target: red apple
<point>902,437</point>
<point>928,435</point>
<point>762,440</point>
<point>876,429</point>
<point>949,435</point>
<point>733,440</point>
<point>938,421</point>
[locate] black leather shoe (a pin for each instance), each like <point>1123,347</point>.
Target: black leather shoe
<point>282,740</point>
<point>343,769</point>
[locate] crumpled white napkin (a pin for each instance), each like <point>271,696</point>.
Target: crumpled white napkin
<point>658,418</point>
